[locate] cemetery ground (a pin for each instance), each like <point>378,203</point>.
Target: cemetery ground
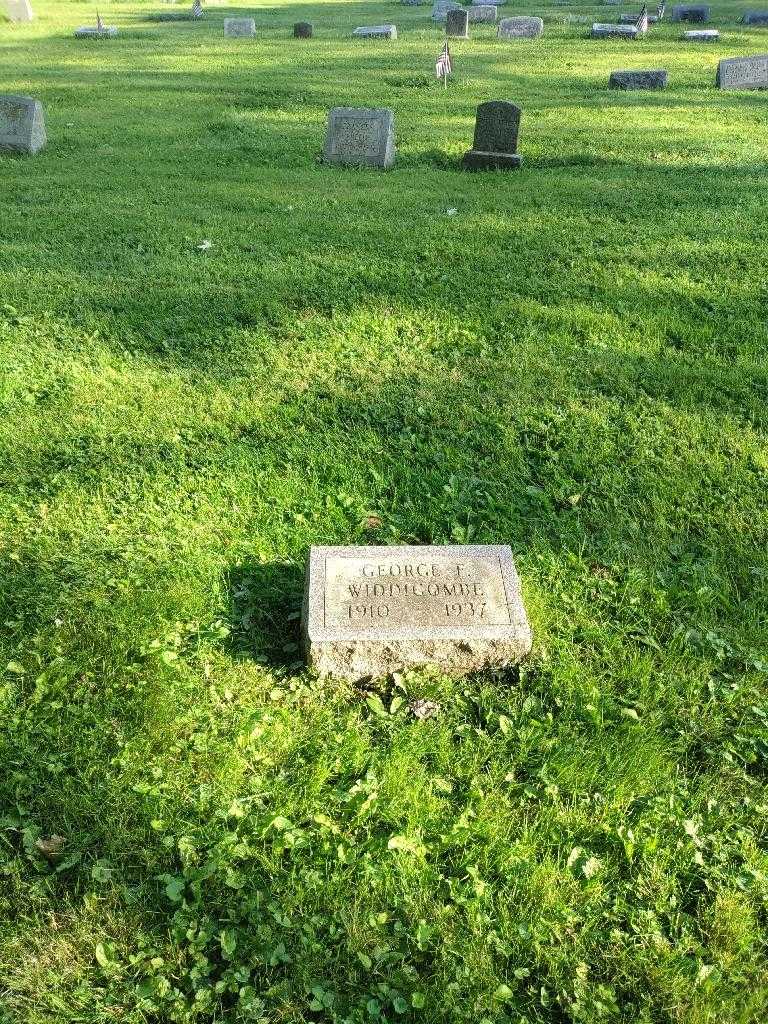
<point>570,358</point>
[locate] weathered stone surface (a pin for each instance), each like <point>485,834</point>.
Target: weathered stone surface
<point>497,126</point>
<point>361,136</point>
<point>457,24</point>
<point>638,79</point>
<point>605,31</point>
<point>239,28</point>
<point>743,72</point>
<point>690,12</point>
<point>302,30</point>
<point>482,13</point>
<point>441,7</point>
<point>702,35</point>
<point>91,32</point>
<point>482,3</point>
<point>22,124</point>
<point>520,28</point>
<point>369,611</point>
<point>19,10</point>
<point>376,31</point>
<point>631,19</point>
<point>756,18</point>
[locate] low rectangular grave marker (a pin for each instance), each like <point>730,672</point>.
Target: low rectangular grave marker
<point>638,80</point>
<point>239,28</point>
<point>743,72</point>
<point>369,611</point>
<point>376,31</point>
<point>702,35</point>
<point>22,124</point>
<point>520,28</point>
<point>483,13</point>
<point>690,12</point>
<point>756,18</point>
<point>601,30</point>
<point>361,136</point>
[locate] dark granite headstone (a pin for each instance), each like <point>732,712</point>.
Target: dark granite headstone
<point>497,125</point>
<point>638,80</point>
<point>756,17</point>
<point>302,30</point>
<point>690,12</point>
<point>457,24</point>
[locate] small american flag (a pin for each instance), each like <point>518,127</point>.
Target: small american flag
<point>197,9</point>
<point>443,66</point>
<point>99,23</point>
<point>642,21</point>
<point>660,10</point>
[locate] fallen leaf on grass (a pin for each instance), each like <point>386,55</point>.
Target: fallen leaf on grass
<point>51,848</point>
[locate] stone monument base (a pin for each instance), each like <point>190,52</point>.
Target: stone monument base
<point>478,160</point>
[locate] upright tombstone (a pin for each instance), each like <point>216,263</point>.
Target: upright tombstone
<point>22,125</point>
<point>19,10</point>
<point>302,30</point>
<point>743,72</point>
<point>702,35</point>
<point>440,9</point>
<point>497,126</point>
<point>690,12</point>
<point>602,30</point>
<point>638,80</point>
<point>239,28</point>
<point>370,611</point>
<point>482,13</point>
<point>520,28</point>
<point>376,31</point>
<point>755,18</point>
<point>457,24</point>
<point>361,136</point>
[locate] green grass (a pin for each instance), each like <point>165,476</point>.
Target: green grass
<point>573,363</point>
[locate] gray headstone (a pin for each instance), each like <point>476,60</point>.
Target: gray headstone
<point>376,31</point>
<point>457,24</point>
<point>690,12</point>
<point>22,124</point>
<point>743,72</point>
<point>603,31</point>
<point>497,126</point>
<point>638,80</point>
<point>485,12</point>
<point>302,30</point>
<point>441,7</point>
<point>361,136</point>
<point>756,18</point>
<point>19,10</point>
<point>520,28</point>
<point>239,28</point>
<point>702,35</point>
<point>370,611</point>
<point>91,32</point>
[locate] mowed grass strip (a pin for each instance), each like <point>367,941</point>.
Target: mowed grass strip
<point>569,359</point>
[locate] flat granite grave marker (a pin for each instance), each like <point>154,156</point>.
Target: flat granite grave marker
<point>369,611</point>
<point>302,30</point>
<point>457,24</point>
<point>363,136</point>
<point>19,10</point>
<point>485,12</point>
<point>497,125</point>
<point>376,31</point>
<point>239,28</point>
<point>755,18</point>
<point>602,30</point>
<point>520,28</point>
<point>743,72</point>
<point>22,124</point>
<point>702,35</point>
<point>638,80</point>
<point>96,32</point>
<point>690,12</point>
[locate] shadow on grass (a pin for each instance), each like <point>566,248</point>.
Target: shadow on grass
<point>265,612</point>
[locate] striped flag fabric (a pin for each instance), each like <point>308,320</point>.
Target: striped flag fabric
<point>443,66</point>
<point>197,9</point>
<point>660,10</point>
<point>642,21</point>
<point>99,23</point>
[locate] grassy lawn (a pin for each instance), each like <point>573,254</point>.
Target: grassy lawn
<point>573,362</point>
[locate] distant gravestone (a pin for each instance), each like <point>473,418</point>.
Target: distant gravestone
<point>413,3</point>
<point>690,12</point>
<point>743,72</point>
<point>702,35</point>
<point>601,30</point>
<point>497,125</point>
<point>362,136</point>
<point>22,125</point>
<point>756,18</point>
<point>457,24</point>
<point>302,30</point>
<point>520,28</point>
<point>94,32</point>
<point>370,611</point>
<point>441,7</point>
<point>638,80</point>
<point>485,12</point>
<point>19,10</point>
<point>631,19</point>
<point>239,28</point>
<point>376,31</point>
